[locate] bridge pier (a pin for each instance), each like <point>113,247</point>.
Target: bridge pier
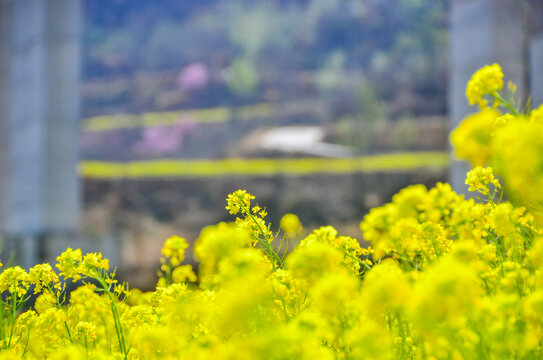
<point>536,54</point>
<point>482,32</point>
<point>39,111</point>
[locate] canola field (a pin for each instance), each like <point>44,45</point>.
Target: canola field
<point>201,116</point>
<point>445,277</point>
<point>262,167</point>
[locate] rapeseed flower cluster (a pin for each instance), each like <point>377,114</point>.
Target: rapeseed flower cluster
<point>291,225</point>
<point>171,270</point>
<point>505,138</point>
<point>486,81</point>
<point>445,277</point>
<point>479,180</point>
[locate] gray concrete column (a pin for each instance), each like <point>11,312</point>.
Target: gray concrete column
<point>5,35</point>
<point>536,54</point>
<point>27,121</point>
<point>39,68</point>
<point>482,32</point>
<point>62,63</point>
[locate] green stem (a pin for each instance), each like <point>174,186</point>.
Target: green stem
<point>360,261</point>
<point>12,319</point>
<point>3,328</point>
<point>116,318</point>
<point>271,253</point>
<point>504,102</point>
<point>25,350</point>
<point>434,245</point>
<point>284,309</point>
<point>59,306</point>
<point>286,250</point>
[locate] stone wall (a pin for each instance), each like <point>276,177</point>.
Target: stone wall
<point>140,214</point>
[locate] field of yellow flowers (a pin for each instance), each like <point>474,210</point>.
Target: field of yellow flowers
<point>445,277</point>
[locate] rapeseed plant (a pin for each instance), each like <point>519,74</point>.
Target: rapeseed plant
<point>445,277</point>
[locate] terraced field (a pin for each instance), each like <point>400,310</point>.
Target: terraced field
<point>259,167</point>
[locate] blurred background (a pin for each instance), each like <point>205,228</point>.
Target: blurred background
<point>278,80</point>
<point>322,108</point>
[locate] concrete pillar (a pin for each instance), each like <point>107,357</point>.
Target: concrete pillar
<point>536,54</point>
<point>41,198</point>
<point>482,32</point>
<point>5,21</point>
<point>61,195</point>
<point>27,117</point>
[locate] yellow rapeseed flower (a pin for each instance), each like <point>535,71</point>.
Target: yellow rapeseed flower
<point>485,81</point>
<point>43,276</point>
<point>183,273</point>
<point>503,120</point>
<point>480,178</point>
<point>69,264</point>
<point>174,249</point>
<point>93,262</point>
<point>15,280</point>
<point>239,200</point>
<point>472,139</point>
<point>536,115</point>
<point>291,225</point>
